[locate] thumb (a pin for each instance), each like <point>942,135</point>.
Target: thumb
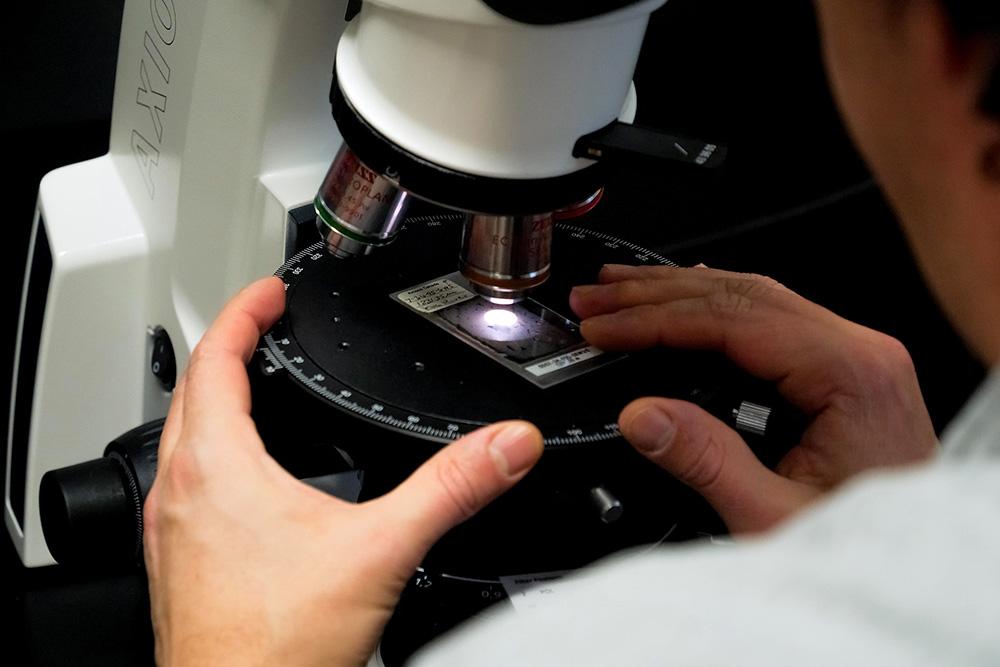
<point>712,459</point>
<point>463,478</point>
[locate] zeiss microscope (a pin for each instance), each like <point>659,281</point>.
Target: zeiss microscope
<point>427,272</point>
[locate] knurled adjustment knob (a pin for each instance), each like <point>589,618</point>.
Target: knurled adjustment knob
<point>752,418</point>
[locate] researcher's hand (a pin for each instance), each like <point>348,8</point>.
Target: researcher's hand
<point>249,566</point>
<point>857,385</point>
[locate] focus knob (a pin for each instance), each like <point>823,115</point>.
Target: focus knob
<point>90,515</point>
<point>92,512</point>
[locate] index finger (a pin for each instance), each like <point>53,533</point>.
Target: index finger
<point>774,335</point>
<point>217,387</point>
<point>624,286</point>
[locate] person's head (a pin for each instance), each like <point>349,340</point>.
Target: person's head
<point>918,82</point>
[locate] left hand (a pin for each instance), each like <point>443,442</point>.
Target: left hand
<point>858,387</point>
<point>249,566</point>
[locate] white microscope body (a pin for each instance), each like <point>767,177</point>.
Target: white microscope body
<point>221,127</point>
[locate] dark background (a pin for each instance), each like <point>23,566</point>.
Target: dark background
<point>794,201</point>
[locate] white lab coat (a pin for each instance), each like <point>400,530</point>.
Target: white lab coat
<point>897,568</point>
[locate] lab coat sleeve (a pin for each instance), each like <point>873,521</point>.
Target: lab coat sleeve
<point>898,568</point>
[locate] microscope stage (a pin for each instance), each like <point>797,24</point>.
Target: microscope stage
<point>367,336</point>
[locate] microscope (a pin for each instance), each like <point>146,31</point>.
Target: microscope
<point>427,272</point>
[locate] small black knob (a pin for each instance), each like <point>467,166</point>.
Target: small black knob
<point>353,9</point>
<point>609,508</point>
<point>162,362</point>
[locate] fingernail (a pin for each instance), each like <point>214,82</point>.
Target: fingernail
<point>652,430</point>
<point>583,290</point>
<point>701,266</point>
<point>515,448</point>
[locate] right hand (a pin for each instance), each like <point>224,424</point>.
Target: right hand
<point>858,386</point>
<point>249,566</point>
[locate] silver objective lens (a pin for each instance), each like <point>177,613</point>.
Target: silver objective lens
<point>505,256</point>
<point>356,208</point>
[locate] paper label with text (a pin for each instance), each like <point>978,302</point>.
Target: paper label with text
<point>527,591</point>
<point>433,296</point>
<point>564,360</point>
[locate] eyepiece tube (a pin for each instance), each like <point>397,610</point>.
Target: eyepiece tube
<point>505,256</point>
<point>357,209</point>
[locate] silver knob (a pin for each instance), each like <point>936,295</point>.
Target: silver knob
<point>609,507</point>
<point>752,418</point>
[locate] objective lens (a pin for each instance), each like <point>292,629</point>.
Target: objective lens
<point>356,208</point>
<point>505,256</point>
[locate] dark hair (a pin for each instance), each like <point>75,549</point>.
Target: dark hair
<point>981,19</point>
